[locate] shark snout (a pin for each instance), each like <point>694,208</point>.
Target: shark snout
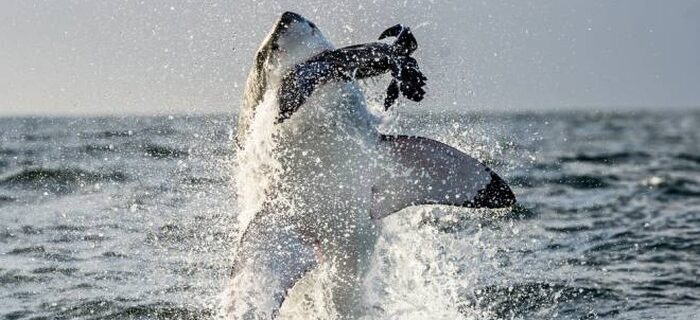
<point>291,17</point>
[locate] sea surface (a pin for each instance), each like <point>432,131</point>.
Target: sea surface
<point>134,218</point>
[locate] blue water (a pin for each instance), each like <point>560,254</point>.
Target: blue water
<point>133,218</point>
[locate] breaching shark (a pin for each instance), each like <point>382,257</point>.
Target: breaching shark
<point>316,176</point>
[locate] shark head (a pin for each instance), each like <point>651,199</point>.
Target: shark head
<point>292,40</point>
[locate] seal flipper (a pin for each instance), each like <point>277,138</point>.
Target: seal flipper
<point>405,41</point>
<point>430,172</point>
<point>270,261</point>
<point>392,93</point>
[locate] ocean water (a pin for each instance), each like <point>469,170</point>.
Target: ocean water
<point>134,218</point>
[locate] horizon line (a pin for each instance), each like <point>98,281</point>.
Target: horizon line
<point>411,109</point>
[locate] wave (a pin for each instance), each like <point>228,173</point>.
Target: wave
<point>524,181</point>
<point>452,220</point>
<point>689,157</point>
<point>575,181</point>
<point>36,137</point>
<point>5,152</point>
<point>176,234</point>
<point>161,311</point>
<point>67,227</point>
<point>681,190</point>
<point>192,180</point>
<point>163,152</point>
<point>97,148</point>
<point>73,237</point>
<point>17,277</point>
<point>528,299</point>
<point>124,309</point>
<point>670,188</point>
<point>112,134</point>
<point>113,254</point>
<point>55,270</point>
<point>607,158</point>
<point>58,180</point>
<point>42,252</point>
<point>29,230</point>
<point>27,250</point>
<point>582,181</point>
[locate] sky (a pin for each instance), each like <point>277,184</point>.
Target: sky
<point>164,57</point>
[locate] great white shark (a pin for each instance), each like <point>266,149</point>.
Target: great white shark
<point>316,176</point>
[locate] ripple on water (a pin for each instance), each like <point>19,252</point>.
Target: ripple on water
<point>583,181</point>
<point>18,314</point>
<point>531,299</point>
<point>608,158</point>
<point>18,277</point>
<point>122,309</point>
<point>58,180</point>
<point>55,270</point>
<point>57,255</point>
<point>575,181</point>
<point>6,199</point>
<point>695,158</point>
<point>28,250</point>
<point>163,152</point>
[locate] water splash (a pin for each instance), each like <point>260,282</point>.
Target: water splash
<point>257,167</point>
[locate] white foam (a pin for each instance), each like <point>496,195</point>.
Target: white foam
<point>257,167</point>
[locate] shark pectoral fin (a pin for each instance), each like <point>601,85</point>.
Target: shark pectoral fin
<point>424,171</point>
<point>270,261</point>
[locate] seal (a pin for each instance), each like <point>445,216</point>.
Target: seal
<point>315,176</point>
